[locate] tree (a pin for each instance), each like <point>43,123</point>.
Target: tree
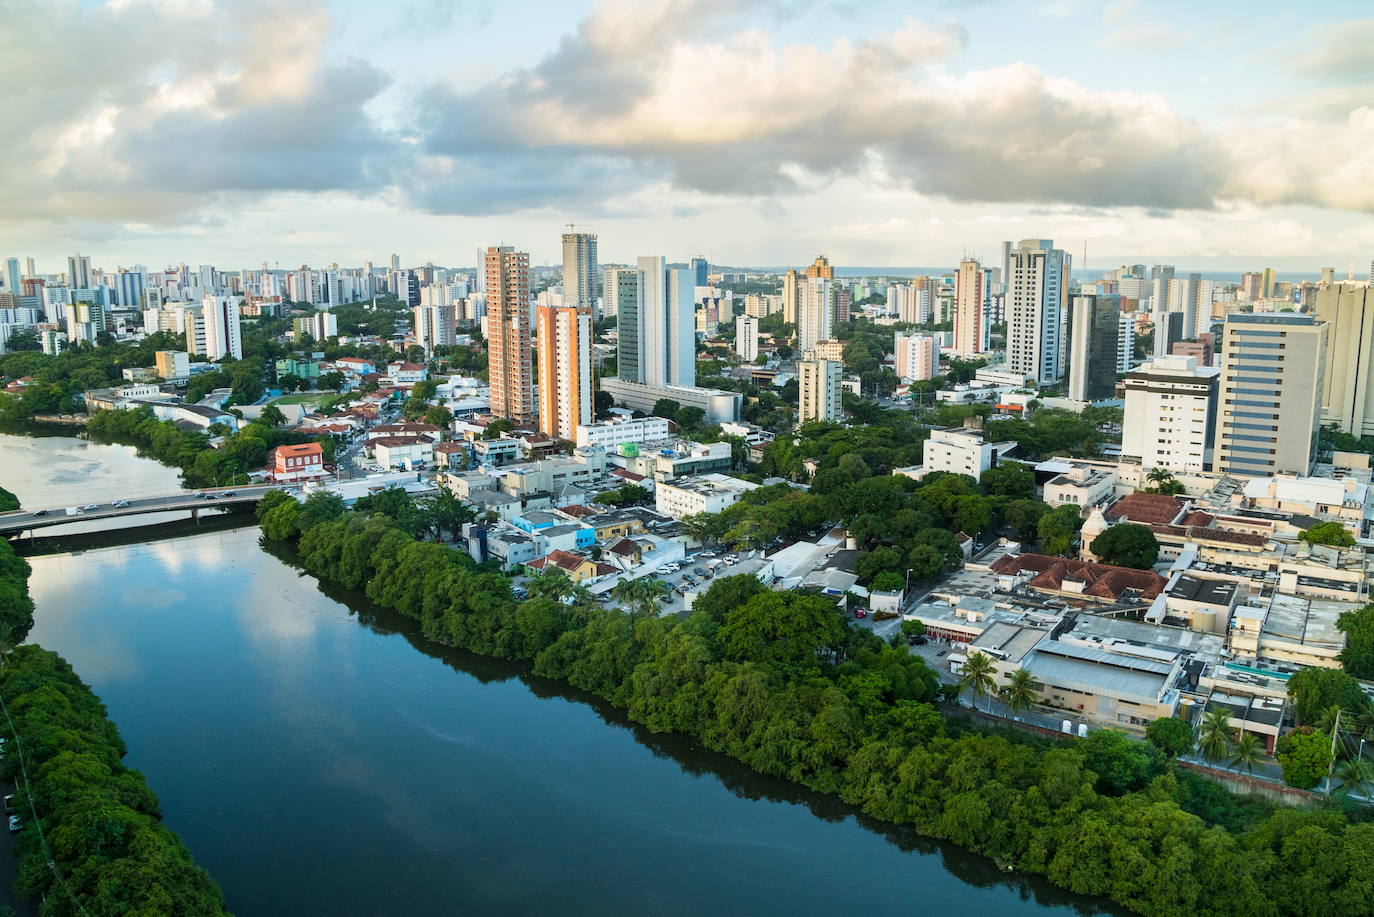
<point>439,416</point>
<point>1021,691</point>
<point>1356,775</point>
<point>1171,735</point>
<point>787,629</point>
<point>602,404</point>
<point>727,593</point>
<point>926,562</point>
<point>1313,690</point>
<point>1305,756</point>
<point>1215,736</point>
<point>1011,479</point>
<point>1023,518</point>
<point>1248,751</point>
<point>8,501</point>
<point>887,581</point>
<point>1127,545</point>
<point>666,407</point>
<point>1162,481</point>
<point>448,511</point>
<point>1120,763</point>
<point>273,415</point>
<point>978,675</point>
<point>640,596</point>
<point>1358,655</point>
<point>704,528</point>
<point>331,381</point>
<point>1058,529</point>
<point>911,627</point>
<point>550,583</point>
<point>1328,533</point>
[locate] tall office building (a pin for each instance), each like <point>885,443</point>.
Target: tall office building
<point>508,332</point>
<point>747,337</point>
<point>970,298</point>
<point>565,369</point>
<point>79,272</point>
<point>657,326</point>
<point>1094,342</point>
<point>821,267</point>
<point>819,390</point>
<point>395,262</point>
<point>815,312</point>
<point>1125,342</point>
<point>791,295</point>
<point>129,287</point>
<point>579,270</point>
<point>14,281</point>
<point>222,334</point>
<point>1271,393</point>
<point>321,326</point>
<point>701,270</point>
<point>917,356</point>
<point>1267,281</point>
<point>85,319</point>
<point>1168,419</point>
<point>1348,392</point>
<point>621,290</point>
<point>435,326</point>
<point>1036,290</point>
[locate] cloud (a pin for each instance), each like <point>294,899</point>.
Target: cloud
<point>1340,54</point>
<point>193,105</point>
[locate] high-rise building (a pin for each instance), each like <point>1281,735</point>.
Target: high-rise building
<point>1036,290</point>
<point>843,299</point>
<point>1328,276</point>
<point>700,271</point>
<point>579,270</point>
<point>1348,392</point>
<point>435,326</point>
<point>821,267</point>
<point>321,326</point>
<point>30,269</point>
<point>222,335</point>
<point>1267,280</point>
<point>172,364</point>
<point>917,356</point>
<point>395,262</point>
<point>1125,342</point>
<point>621,286</point>
<point>14,281</point>
<point>1271,393</point>
<point>819,390</point>
<point>970,322</point>
<point>747,337</point>
<point>508,332</point>
<point>1168,418</point>
<point>815,312</point>
<point>1094,342</point>
<point>79,272</point>
<point>791,296</point>
<point>565,369</point>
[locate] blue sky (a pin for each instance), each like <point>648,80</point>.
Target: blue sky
<point>1210,135</point>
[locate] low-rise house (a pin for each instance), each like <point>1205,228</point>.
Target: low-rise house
<point>451,455</point>
<point>402,451</point>
<point>707,493</point>
<point>299,462</point>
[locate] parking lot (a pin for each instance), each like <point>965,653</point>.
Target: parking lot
<point>696,574</point>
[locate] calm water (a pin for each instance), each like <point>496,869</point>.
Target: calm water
<point>321,759</point>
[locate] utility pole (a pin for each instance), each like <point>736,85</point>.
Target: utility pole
<point>1335,731</point>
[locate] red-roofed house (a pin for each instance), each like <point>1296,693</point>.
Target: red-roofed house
<point>1069,577</point>
<point>1145,509</point>
<point>578,568</point>
<point>300,462</point>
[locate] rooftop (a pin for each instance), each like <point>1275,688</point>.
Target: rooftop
<point>1159,509</point>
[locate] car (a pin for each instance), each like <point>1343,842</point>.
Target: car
<point>90,506</point>
<point>41,512</point>
<point>230,493</point>
<point>9,804</point>
<point>917,640</point>
<point>210,496</point>
<point>15,823</point>
<point>860,612</point>
<point>119,504</point>
<point>201,495</point>
<point>698,571</point>
<point>732,559</point>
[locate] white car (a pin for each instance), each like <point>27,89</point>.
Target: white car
<point>15,823</point>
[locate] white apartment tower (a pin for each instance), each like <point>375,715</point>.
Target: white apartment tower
<point>970,321</point>
<point>1036,290</point>
<point>815,312</point>
<point>1170,402</point>
<point>747,338</point>
<point>220,315</point>
<point>621,286</point>
<point>917,357</point>
<point>819,390</point>
<point>579,270</point>
<point>565,370</point>
<point>666,325</point>
<point>435,326</point>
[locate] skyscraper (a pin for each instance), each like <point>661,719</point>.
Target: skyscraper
<point>508,332</point>
<point>14,282</point>
<point>565,368</point>
<point>791,296</point>
<point>435,325</point>
<point>658,325</point>
<point>821,267</point>
<point>1271,393</point>
<point>1169,416</point>
<point>818,391</point>
<point>700,271</point>
<point>747,338</point>
<point>79,272</point>
<point>1267,283</point>
<point>1094,334</point>
<point>1348,392</point>
<point>222,336</point>
<point>815,312</point>
<point>917,356</point>
<point>970,324</point>
<point>395,262</point>
<point>1036,289</point>
<point>579,270</point>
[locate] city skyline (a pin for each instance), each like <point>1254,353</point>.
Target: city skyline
<point>1169,133</point>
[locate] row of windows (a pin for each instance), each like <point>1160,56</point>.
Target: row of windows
<point>1250,449</point>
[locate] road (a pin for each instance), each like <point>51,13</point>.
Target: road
<point>22,520</point>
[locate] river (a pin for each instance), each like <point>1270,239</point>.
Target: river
<point>319,757</point>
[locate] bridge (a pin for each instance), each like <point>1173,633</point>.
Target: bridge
<point>19,521</point>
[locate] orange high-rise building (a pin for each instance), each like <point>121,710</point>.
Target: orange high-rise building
<point>508,332</point>
<point>565,370</point>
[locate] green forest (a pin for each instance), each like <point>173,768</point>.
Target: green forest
<point>783,683</point>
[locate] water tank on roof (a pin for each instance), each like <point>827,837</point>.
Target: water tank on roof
<point>629,450</point>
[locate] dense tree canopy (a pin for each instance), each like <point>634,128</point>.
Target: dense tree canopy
<point>1127,545</point>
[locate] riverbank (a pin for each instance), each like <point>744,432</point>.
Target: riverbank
<point>745,675</point>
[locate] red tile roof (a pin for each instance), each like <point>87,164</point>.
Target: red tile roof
<point>450,448</point>
<point>390,441</point>
<point>1103,580</point>
<point>301,449</point>
<point>563,559</point>
<point>1197,517</point>
<point>577,510</point>
<point>1160,509</point>
<point>627,475</point>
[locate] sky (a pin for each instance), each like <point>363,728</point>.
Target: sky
<point>1214,136</point>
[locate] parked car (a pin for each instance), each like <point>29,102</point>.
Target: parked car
<point>698,571</point>
<point>9,804</point>
<point>15,823</point>
<point>917,640</point>
<point>861,612</point>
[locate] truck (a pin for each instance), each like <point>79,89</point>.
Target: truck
<point>73,511</point>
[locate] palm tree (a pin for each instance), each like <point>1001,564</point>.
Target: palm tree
<point>1248,752</point>
<point>550,583</point>
<point>1356,775</point>
<point>640,596</point>
<point>979,675</point>
<point>1022,690</point>
<point>1214,737</point>
<point>1159,476</point>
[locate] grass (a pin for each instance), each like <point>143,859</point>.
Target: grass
<point>302,398</point>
